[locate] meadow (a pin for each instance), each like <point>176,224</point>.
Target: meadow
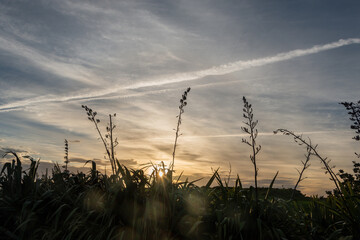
<point>130,204</point>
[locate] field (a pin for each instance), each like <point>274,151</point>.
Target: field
<point>129,204</point>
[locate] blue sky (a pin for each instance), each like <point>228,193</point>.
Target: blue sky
<point>293,60</point>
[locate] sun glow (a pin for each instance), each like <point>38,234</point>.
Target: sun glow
<point>161,173</point>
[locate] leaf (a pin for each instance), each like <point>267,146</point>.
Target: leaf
<point>271,185</point>
<point>211,180</point>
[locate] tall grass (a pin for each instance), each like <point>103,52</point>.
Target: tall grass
<point>129,204</point>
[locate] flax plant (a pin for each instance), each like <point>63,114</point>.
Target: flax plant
<point>110,136</point>
<point>312,148</point>
<point>183,103</point>
<point>344,206</point>
<point>109,147</point>
<point>253,132</point>
<point>66,157</point>
<point>305,165</point>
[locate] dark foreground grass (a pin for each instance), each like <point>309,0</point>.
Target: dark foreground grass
<point>130,205</point>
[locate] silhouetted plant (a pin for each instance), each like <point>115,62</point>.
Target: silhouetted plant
<point>305,166</point>
<point>66,157</point>
<point>112,142</point>
<point>354,112</point>
<point>351,180</point>
<point>109,147</point>
<point>344,207</point>
<point>312,149</point>
<point>253,133</point>
<point>183,103</point>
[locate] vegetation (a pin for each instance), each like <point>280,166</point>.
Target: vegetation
<point>183,103</point>
<point>253,132</point>
<point>129,204</point>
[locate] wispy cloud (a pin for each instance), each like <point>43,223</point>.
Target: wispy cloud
<point>179,77</point>
<point>58,66</point>
<point>235,135</point>
<point>102,95</point>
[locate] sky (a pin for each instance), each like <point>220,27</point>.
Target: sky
<point>294,61</point>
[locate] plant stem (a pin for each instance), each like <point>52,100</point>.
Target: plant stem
<point>105,145</point>
<point>254,161</point>
<point>312,149</point>
<point>305,166</point>
<point>183,103</point>
<point>176,138</point>
<point>112,144</point>
<point>252,131</point>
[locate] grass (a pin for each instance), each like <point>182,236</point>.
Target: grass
<point>129,204</point>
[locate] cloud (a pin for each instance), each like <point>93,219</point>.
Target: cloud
<point>59,66</point>
<point>128,162</point>
<point>103,162</point>
<point>232,136</point>
<point>84,160</point>
<point>175,78</point>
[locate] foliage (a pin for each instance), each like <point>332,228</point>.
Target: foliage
<point>353,180</point>
<point>132,205</point>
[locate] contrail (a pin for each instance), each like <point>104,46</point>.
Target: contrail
<point>140,94</point>
<point>188,76</point>
<point>105,95</point>
<point>241,65</point>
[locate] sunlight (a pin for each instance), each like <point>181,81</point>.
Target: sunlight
<point>161,173</point>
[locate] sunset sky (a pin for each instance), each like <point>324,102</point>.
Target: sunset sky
<point>293,60</point>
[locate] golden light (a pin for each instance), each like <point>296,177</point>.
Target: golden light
<point>161,173</point>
